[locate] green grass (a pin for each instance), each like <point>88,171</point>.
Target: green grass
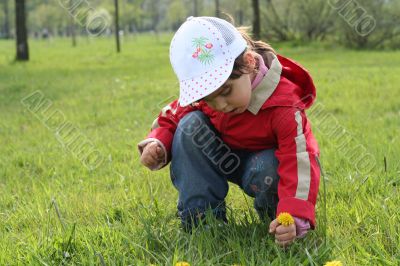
<point>121,213</point>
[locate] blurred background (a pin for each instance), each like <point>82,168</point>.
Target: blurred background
<point>340,22</point>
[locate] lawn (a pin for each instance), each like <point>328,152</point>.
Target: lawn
<point>60,207</point>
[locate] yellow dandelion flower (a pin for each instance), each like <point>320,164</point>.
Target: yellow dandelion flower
<point>182,263</point>
<point>334,263</point>
<point>284,218</point>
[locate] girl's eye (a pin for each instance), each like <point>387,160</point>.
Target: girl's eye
<point>227,92</point>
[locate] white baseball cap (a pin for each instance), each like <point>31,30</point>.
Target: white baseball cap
<point>202,54</point>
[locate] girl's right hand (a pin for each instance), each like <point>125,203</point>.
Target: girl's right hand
<point>152,155</point>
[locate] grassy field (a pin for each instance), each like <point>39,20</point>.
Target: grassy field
<point>56,210</point>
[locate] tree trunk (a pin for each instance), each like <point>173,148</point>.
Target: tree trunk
<point>22,33</point>
<point>195,8</point>
<point>217,9</point>
<point>72,26</point>
<point>256,19</point>
<point>73,34</point>
<point>6,25</point>
<point>117,26</point>
<point>241,16</point>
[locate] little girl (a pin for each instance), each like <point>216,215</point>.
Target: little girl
<point>239,118</point>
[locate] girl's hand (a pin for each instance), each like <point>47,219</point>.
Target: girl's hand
<point>284,235</point>
<point>152,155</point>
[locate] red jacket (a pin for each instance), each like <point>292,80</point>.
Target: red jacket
<point>274,119</point>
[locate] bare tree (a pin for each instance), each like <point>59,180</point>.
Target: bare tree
<point>195,8</point>
<point>279,26</point>
<point>217,9</point>
<point>21,30</point>
<point>6,25</point>
<point>314,19</point>
<point>117,26</point>
<point>72,25</point>
<point>256,19</point>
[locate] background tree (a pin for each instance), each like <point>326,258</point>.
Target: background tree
<point>313,19</point>
<point>195,8</point>
<point>256,19</point>
<point>176,15</point>
<point>117,26</point>
<point>128,16</point>
<point>217,9</point>
<point>278,18</point>
<point>6,20</point>
<point>21,31</point>
<point>372,25</point>
<point>72,27</point>
<point>272,20</point>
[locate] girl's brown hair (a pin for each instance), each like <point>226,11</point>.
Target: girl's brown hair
<point>240,66</point>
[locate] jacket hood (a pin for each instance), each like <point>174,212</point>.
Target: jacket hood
<point>295,87</point>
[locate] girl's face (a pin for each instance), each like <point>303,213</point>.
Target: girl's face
<point>234,96</point>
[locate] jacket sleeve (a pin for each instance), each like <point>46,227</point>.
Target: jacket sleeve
<point>163,129</point>
<point>298,166</point>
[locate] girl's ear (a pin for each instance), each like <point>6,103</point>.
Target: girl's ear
<point>250,60</point>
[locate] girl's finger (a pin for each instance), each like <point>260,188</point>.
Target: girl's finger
<point>160,153</point>
<point>149,160</point>
<point>153,153</point>
<point>145,161</point>
<point>281,229</point>
<point>150,146</point>
<point>285,237</point>
<point>154,160</point>
<point>272,226</point>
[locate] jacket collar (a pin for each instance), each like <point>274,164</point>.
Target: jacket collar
<point>267,86</point>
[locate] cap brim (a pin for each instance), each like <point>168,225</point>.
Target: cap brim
<point>194,89</point>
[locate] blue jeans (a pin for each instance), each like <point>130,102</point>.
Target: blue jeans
<point>202,164</point>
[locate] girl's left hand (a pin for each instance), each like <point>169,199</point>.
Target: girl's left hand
<point>284,235</point>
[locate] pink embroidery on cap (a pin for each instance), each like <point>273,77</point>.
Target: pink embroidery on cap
<point>203,55</point>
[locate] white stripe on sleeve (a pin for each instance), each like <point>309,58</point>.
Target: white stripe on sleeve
<point>303,161</point>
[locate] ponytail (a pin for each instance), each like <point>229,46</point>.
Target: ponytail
<point>259,47</point>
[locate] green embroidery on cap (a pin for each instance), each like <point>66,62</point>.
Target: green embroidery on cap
<point>203,50</point>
